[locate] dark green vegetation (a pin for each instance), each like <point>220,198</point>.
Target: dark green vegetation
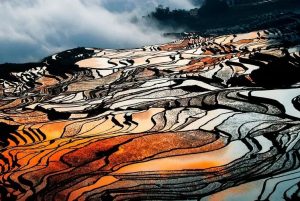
<point>216,17</point>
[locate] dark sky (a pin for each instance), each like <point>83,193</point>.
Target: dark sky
<point>33,29</point>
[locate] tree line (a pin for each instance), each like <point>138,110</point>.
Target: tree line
<point>212,14</point>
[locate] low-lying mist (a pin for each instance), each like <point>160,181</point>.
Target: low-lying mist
<point>33,29</point>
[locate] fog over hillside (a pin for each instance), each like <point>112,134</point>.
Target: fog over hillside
<point>145,5</point>
<point>32,29</point>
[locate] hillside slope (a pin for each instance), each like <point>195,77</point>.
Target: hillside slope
<point>184,120</point>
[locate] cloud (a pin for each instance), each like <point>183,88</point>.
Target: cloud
<point>144,5</point>
<point>33,29</point>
